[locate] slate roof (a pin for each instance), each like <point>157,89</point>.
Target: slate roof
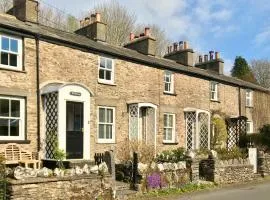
<point>10,23</point>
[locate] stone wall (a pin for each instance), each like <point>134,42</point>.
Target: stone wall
<point>226,172</point>
<point>264,164</point>
<point>86,187</point>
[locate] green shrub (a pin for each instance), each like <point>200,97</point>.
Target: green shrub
<point>234,153</point>
<point>175,155</point>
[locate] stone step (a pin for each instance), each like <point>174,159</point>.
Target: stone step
<point>124,194</point>
<point>122,185</point>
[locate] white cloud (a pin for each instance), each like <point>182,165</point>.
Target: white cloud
<point>262,37</point>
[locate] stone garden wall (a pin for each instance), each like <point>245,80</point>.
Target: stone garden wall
<point>77,187</point>
<point>264,164</point>
<point>227,171</point>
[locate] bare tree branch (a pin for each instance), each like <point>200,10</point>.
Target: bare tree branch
<point>261,70</point>
<point>5,5</point>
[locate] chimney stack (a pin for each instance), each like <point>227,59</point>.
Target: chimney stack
<point>93,28</point>
<point>25,10</point>
<point>214,64</point>
<point>181,53</point>
<point>143,43</point>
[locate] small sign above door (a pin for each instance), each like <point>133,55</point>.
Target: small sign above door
<point>75,93</point>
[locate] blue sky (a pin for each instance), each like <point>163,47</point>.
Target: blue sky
<point>233,27</point>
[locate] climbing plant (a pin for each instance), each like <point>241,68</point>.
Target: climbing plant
<point>219,131</point>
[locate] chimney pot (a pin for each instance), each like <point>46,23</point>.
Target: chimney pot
<point>147,31</point>
<point>185,45</point>
<point>168,49</point>
<point>131,36</point>
<point>93,18</point>
<point>211,53</point>
<point>175,46</point>
<point>86,21</point>
<point>205,58</point>
<point>200,59</point>
<point>98,17</point>
<point>217,55</point>
<point>81,23</point>
<point>142,34</point>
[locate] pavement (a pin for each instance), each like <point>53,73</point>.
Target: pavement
<point>254,191</point>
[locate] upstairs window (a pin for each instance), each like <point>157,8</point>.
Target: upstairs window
<point>249,98</point>
<point>106,70</point>
<point>214,91</point>
<point>169,128</point>
<point>106,125</point>
<point>12,118</point>
<point>168,82</point>
<point>11,52</point>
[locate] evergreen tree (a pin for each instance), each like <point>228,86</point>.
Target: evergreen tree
<point>242,71</point>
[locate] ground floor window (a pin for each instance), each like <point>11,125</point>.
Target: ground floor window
<point>12,118</point>
<point>106,124</point>
<point>169,128</point>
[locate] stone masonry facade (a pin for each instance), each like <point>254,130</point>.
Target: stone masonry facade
<point>134,81</point>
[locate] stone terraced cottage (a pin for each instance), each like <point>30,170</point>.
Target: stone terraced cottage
<point>90,96</point>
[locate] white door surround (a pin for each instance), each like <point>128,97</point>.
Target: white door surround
<point>71,92</point>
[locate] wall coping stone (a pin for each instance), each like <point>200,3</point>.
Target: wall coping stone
<point>54,179</point>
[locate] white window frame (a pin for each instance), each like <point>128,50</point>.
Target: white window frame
<point>111,70</point>
<point>102,140</point>
<point>249,98</point>
<point>167,127</point>
<point>171,82</point>
<point>251,130</point>
<point>19,54</point>
<point>214,91</point>
<point>21,118</point>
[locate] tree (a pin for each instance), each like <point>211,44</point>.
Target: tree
<point>242,71</point>
<point>261,71</point>
<point>120,22</point>
<point>5,5</point>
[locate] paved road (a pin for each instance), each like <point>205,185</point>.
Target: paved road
<point>259,191</point>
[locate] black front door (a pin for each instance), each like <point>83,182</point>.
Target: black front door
<point>74,130</point>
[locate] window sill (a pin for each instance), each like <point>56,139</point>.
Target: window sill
<point>106,142</point>
<point>12,70</point>
<point>169,93</point>
<point>106,83</point>
<point>170,143</point>
<point>213,100</point>
<point>15,141</point>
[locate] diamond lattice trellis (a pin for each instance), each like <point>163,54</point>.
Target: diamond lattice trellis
<point>235,127</point>
<point>190,129</point>
<point>133,121</point>
<point>51,110</point>
<point>203,119</point>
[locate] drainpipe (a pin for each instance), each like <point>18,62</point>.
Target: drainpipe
<point>239,101</point>
<point>38,92</point>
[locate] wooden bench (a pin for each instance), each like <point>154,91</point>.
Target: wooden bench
<point>13,154</point>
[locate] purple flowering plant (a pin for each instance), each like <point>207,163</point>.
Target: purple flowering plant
<point>154,180</point>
